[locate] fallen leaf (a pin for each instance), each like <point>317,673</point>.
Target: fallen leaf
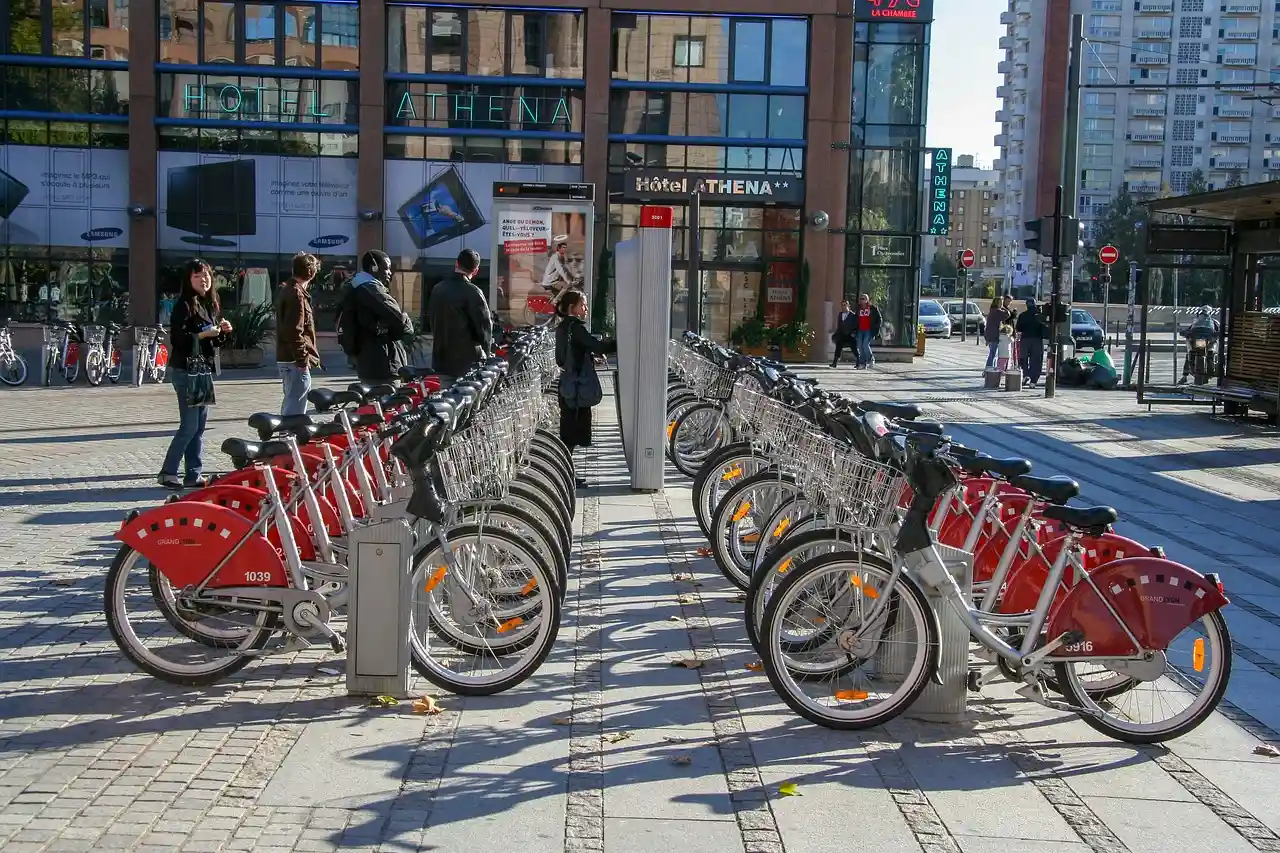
<point>755,666</point>
<point>63,581</point>
<point>681,760</point>
<point>427,705</point>
<point>738,598</point>
<point>330,671</point>
<point>687,663</point>
<point>617,737</point>
<point>684,576</point>
<point>675,739</point>
<point>673,618</point>
<point>703,552</point>
<point>562,721</point>
<point>383,702</point>
<point>789,789</point>
<point>1266,749</point>
<point>686,599</point>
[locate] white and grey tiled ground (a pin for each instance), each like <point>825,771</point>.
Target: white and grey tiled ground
<point>94,756</point>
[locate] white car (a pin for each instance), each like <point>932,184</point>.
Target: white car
<point>935,321</point>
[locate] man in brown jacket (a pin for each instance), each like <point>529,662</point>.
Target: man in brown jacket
<point>296,351</point>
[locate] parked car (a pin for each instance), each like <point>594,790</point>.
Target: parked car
<point>975,321</point>
<point>935,321</point>
<point>1085,331</point>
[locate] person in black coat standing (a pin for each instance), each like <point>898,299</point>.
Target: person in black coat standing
<point>1031,330</point>
<point>461,325</point>
<point>382,322</point>
<point>576,351</point>
<point>846,326</point>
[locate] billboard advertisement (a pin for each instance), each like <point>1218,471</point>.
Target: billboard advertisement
<point>261,204</point>
<point>541,248</point>
<point>64,196</point>
<point>435,209</point>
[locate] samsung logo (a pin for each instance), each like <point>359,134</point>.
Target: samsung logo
<point>95,234</point>
<point>328,241</point>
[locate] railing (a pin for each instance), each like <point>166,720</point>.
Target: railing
<point>1144,110</point>
<point>1234,138</point>
<point>1236,60</point>
<point>1151,58</point>
<point>1236,112</point>
<point>1147,136</point>
<point>1155,5</point>
<point>1240,35</point>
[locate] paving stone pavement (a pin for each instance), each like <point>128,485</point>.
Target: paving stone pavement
<point>608,747</point>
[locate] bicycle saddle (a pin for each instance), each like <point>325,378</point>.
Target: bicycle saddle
<point>896,411</point>
<point>499,364</point>
<point>362,389</point>
<point>366,419</point>
<point>243,452</point>
<point>930,427</point>
<point>329,430</point>
<point>408,373</point>
<point>386,389</point>
<point>1091,519</point>
<point>1055,490</point>
<point>979,465</point>
<point>325,400</point>
<point>396,400</point>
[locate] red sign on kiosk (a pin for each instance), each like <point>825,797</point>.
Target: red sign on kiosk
<point>655,217</point>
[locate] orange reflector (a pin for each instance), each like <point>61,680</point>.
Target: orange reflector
<point>819,620</point>
<point>786,565</point>
<point>851,695</point>
<point>671,427</point>
<point>434,580</point>
<point>1197,655</point>
<point>529,587</point>
<point>732,474</point>
<point>781,528</point>
<point>751,537</point>
<point>868,591</point>
<point>510,625</point>
<point>742,510</point>
<point>856,581</point>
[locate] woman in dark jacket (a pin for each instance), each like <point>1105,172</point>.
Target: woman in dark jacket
<point>192,324</point>
<point>576,347</point>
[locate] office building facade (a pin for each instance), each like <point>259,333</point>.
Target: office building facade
<point>141,133</point>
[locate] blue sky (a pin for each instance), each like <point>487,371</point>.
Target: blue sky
<point>963,77</point>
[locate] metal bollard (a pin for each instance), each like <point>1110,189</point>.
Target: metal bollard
<point>44,364</point>
<point>380,592</point>
<point>945,703</point>
<point>137,366</point>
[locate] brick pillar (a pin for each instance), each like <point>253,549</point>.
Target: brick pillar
<point>142,161</point>
<point>595,146</point>
<point>373,115</point>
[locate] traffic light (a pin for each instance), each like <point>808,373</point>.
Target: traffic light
<point>1068,236</point>
<point>1033,243</point>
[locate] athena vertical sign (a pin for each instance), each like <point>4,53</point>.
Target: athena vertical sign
<point>938,203</point>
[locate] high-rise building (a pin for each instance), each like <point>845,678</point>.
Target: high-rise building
<point>1155,131</point>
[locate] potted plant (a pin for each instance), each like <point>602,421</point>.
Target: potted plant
<point>795,339</point>
<point>750,337</point>
<point>250,325</point>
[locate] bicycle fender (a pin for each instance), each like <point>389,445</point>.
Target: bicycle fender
<point>186,540</point>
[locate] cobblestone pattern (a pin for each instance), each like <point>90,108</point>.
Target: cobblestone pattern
<point>750,798</point>
<point>923,821</point>
<point>584,820</point>
<point>1254,831</point>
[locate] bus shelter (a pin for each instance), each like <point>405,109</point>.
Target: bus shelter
<point>1235,232</point>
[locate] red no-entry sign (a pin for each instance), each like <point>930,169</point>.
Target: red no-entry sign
<point>1108,255</point>
<point>967,259</point>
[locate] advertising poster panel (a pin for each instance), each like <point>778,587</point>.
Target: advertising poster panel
<point>542,249</point>
<point>64,196</point>
<point>257,204</point>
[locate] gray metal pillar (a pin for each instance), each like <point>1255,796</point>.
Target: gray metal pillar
<point>945,702</point>
<point>381,590</point>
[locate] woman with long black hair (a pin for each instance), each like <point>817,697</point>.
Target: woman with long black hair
<point>193,324</point>
<point>576,351</point>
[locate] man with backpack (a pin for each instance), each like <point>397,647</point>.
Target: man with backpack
<point>461,325</point>
<point>371,324</point>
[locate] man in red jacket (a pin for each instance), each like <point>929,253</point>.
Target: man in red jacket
<point>867,329</point>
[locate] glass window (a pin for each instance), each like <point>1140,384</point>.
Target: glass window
<point>26,35</point>
<point>260,34</point>
<point>444,41</point>
<point>786,117</point>
<point>299,36</point>
<point>528,42</point>
<point>749,51</point>
<point>179,24</point>
<point>789,53</point>
<point>690,51</point>
<point>218,24</point>
<point>890,190</point>
<point>564,45</point>
<point>340,26</point>
<point>68,28</point>
<point>109,29</point>
<point>748,116</point>
<point>486,53</point>
<point>892,84</point>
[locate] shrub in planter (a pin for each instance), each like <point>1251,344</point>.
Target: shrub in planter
<point>750,334</point>
<point>250,326</point>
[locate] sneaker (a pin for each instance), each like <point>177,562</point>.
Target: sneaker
<point>831,367</point>
<point>196,483</point>
<point>169,481</point>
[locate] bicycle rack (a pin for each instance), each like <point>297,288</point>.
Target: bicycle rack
<point>380,589</point>
<point>946,702</point>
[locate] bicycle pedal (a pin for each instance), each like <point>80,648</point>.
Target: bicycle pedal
<point>291,643</point>
<point>337,643</point>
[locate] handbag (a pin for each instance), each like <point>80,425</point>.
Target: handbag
<point>579,384</point>
<point>199,377</point>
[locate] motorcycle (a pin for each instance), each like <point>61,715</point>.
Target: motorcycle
<point>1199,361</point>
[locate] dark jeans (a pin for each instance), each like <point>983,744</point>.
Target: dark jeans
<point>188,441</point>
<point>1031,358</point>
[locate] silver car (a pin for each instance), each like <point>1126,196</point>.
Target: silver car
<point>935,321</point>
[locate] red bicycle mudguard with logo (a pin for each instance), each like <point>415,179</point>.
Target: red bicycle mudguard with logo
<point>162,355</point>
<point>1022,589</point>
<point>186,540</point>
<point>1157,599</point>
<point>247,502</point>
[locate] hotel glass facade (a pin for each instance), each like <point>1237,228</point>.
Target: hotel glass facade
<point>140,133</point>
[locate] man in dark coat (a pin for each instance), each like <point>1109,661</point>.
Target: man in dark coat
<point>461,325</point>
<point>846,325</point>
<point>382,322</point>
<point>1030,327</point>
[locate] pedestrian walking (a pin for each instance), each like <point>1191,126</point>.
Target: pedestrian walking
<point>846,328</point>
<point>1031,333</point>
<point>576,352</point>
<point>461,325</point>
<point>195,328</point>
<point>296,350</point>
<point>866,330</point>
<point>371,324</point>
<point>997,316</point>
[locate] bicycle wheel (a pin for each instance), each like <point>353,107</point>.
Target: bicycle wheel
<point>179,659</point>
<point>487,651</point>
<point>699,432</point>
<point>532,501</point>
<point>791,554</point>
<point>720,472</point>
<point>72,372</point>
<point>50,365</point>
<point>779,525</point>
<point>736,525</point>
<point>14,370</point>
<point>1185,681</point>
<point>94,368</point>
<point>528,528</point>
<point>878,667</point>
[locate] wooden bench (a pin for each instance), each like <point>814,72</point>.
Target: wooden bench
<point>1252,376</point>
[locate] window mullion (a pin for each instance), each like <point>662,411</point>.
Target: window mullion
<point>317,33</point>
<point>278,42</point>
<point>506,47</point>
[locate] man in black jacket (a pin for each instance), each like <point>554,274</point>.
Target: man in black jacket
<point>383,323</point>
<point>846,325</point>
<point>461,326</point>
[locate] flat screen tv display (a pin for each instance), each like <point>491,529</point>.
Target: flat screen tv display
<point>440,211</point>
<point>213,199</point>
<point>12,192</point>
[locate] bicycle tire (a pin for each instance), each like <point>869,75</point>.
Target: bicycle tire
<point>18,376</point>
<point>797,550</point>
<point>533,501</point>
<point>684,464</point>
<point>921,670</point>
<point>779,524</point>
<point>72,372</point>
<point>722,524</point>
<point>537,482</point>
<point>50,365</point>
<point>536,531</point>
<point>552,485</point>
<point>93,369</point>
<point>556,474</point>
<point>704,499</point>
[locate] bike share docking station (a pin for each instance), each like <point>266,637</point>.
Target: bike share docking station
<point>946,695</point>
<point>380,589</point>
<point>643,270</point>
